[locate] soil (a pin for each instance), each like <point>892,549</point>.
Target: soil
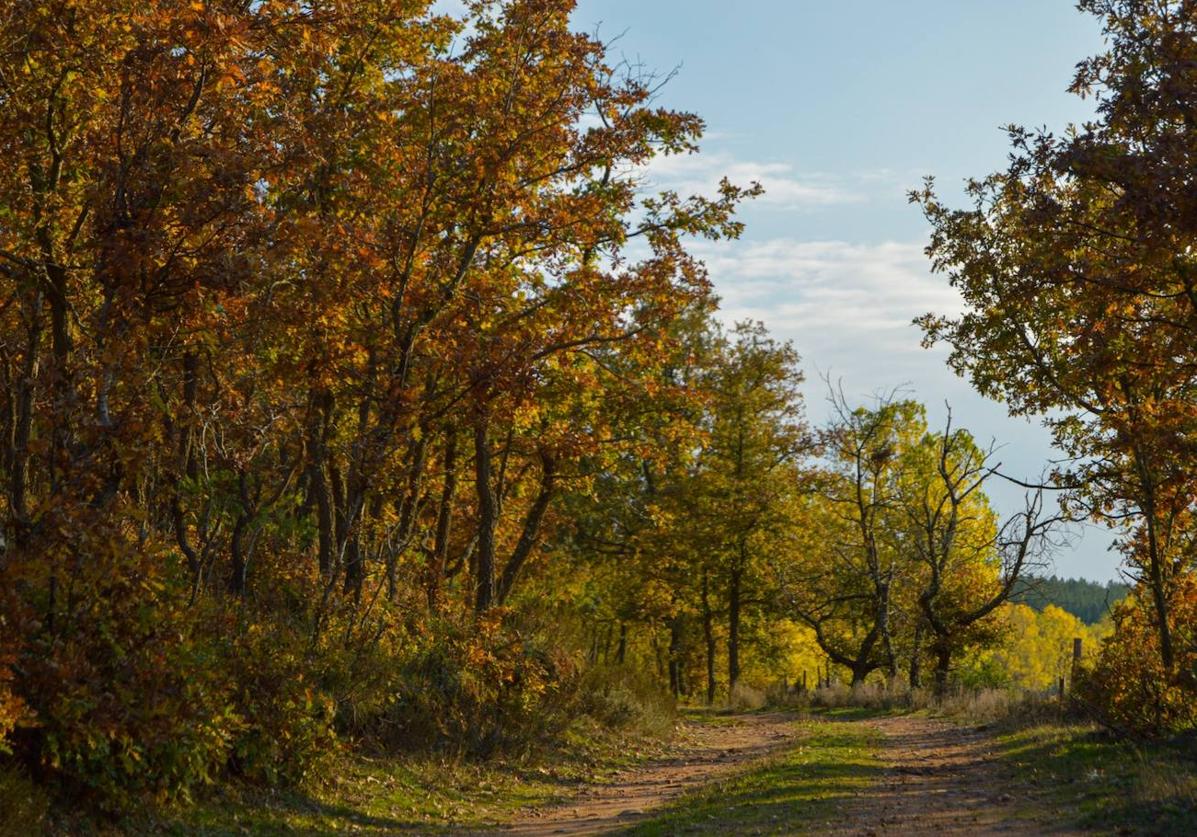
<point>939,778</point>
<point>705,752</point>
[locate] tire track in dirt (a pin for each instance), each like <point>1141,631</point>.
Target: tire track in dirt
<point>706,752</point>
<point>939,778</point>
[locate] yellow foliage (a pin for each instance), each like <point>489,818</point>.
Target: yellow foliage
<point>1035,647</point>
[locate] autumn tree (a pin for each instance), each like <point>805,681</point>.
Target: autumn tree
<point>967,566</point>
<point>846,565</point>
<point>748,470</point>
<point>1075,267</point>
<point>310,314</point>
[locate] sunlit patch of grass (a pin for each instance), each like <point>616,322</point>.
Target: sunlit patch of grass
<point>860,713</point>
<point>832,763</point>
<point>1099,782</point>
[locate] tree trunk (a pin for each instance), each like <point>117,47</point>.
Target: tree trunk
<point>883,628</point>
<point>1159,596</point>
<point>675,643</point>
<point>532,523</point>
<point>916,662</point>
<point>444,522</point>
<point>23,422</point>
<point>488,512</point>
<point>319,482</point>
<point>860,671</point>
<point>943,665</point>
<point>708,633</point>
<point>733,629</point>
<point>239,572</point>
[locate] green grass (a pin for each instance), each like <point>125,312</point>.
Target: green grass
<point>785,794</point>
<point>365,795</point>
<point>861,713</point>
<point>1102,784</point>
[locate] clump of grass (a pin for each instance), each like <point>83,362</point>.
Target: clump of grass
<point>623,698</point>
<point>1162,785</point>
<point>1001,707</point>
<point>745,698</point>
<point>870,695</point>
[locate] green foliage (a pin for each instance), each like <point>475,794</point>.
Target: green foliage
<point>1087,600</point>
<point>480,691</point>
<point>288,728</point>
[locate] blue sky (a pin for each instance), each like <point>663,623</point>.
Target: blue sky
<point>839,108</point>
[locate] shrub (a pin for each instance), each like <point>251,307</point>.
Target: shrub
<point>24,805</point>
<point>621,697</point>
<point>287,727</point>
<point>870,694</point>
<point>745,698</point>
<point>14,711</point>
<point>479,690</point>
<point>129,697</point>
<point>1128,686</point>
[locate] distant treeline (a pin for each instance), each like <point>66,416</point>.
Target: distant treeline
<point>1086,600</point>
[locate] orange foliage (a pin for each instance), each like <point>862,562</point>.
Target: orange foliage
<point>1128,683</point>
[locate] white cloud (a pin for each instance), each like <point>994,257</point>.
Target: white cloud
<point>844,305</point>
<point>784,188</point>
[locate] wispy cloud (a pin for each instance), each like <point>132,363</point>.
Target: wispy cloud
<point>785,188</point>
<point>846,306</point>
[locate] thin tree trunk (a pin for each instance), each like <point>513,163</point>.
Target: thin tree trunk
<point>444,521</point>
<point>943,666</point>
<point>675,643</point>
<point>708,633</point>
<point>733,629</point>
<point>488,511</point>
<point>916,655</point>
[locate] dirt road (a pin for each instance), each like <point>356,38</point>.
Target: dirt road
<point>939,779</point>
<point>706,752</point>
<point>936,778</point>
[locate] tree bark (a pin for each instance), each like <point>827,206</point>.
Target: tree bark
<point>708,633</point>
<point>488,511</point>
<point>675,644</point>
<point>916,662</point>
<point>733,628</point>
<point>943,666</point>
<point>444,522</point>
